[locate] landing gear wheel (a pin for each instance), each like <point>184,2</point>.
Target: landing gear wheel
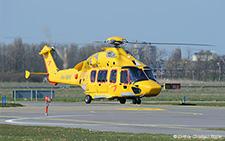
<point>122,100</point>
<point>136,100</point>
<point>87,99</point>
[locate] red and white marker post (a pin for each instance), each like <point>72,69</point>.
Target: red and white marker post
<point>47,101</point>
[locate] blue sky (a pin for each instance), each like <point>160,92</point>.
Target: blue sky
<point>190,21</point>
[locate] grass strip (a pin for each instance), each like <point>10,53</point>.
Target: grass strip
<point>12,105</point>
<point>36,133</point>
<point>21,133</point>
<point>217,129</point>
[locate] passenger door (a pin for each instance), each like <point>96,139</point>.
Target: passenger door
<point>125,83</point>
<point>113,83</point>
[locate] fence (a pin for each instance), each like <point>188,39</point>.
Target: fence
<point>33,94</point>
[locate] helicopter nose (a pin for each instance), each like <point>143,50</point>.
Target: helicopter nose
<point>149,88</point>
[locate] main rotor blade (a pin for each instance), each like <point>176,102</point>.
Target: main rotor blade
<point>173,44</point>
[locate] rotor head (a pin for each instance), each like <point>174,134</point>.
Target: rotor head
<point>116,41</point>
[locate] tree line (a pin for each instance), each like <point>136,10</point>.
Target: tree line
<point>18,56</point>
<point>205,66</point>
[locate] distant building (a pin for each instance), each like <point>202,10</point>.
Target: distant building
<point>177,54</point>
<point>204,56</point>
<point>150,52</point>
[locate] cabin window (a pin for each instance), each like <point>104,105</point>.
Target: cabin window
<point>93,75</point>
<point>124,77</point>
<point>102,74</point>
<point>113,76</point>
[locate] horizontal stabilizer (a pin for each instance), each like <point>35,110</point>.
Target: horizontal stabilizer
<point>27,74</point>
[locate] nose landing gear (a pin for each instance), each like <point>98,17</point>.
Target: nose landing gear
<point>136,100</point>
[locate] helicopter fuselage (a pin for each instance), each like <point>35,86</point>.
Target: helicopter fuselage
<point>112,73</point>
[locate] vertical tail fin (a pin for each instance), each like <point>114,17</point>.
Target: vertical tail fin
<point>49,62</point>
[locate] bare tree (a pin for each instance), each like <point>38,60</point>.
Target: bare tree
<point>73,55</point>
<point>206,66</point>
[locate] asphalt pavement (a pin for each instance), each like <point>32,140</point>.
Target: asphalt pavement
<point>156,119</point>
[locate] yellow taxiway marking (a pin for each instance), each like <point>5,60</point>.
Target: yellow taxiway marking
<point>141,109</point>
<point>127,124</point>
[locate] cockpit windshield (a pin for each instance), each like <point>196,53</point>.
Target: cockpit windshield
<point>150,74</point>
<point>135,74</point>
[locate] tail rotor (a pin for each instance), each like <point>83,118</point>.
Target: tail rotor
<point>47,32</point>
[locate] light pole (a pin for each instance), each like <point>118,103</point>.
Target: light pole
<point>218,63</point>
<point>193,75</point>
<point>186,69</point>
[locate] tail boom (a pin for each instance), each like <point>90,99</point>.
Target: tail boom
<point>54,75</point>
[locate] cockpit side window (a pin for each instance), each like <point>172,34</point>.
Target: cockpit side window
<point>124,76</point>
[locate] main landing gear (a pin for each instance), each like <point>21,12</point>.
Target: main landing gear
<point>135,100</point>
<point>122,100</point>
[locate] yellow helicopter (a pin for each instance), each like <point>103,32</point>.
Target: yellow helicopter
<point>112,73</point>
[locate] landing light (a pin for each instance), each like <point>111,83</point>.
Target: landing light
<point>136,90</point>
